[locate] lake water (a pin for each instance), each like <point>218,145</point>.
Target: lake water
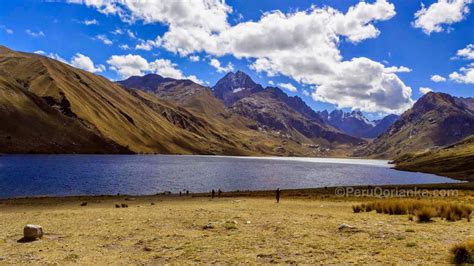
<point>34,175</point>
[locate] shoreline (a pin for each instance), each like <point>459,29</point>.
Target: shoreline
<point>290,193</point>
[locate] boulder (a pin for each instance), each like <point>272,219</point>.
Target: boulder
<point>32,232</point>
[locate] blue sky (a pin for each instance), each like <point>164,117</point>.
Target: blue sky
<point>428,48</point>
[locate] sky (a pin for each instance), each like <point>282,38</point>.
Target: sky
<point>376,56</point>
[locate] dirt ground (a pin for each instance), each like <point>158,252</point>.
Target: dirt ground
<point>172,229</point>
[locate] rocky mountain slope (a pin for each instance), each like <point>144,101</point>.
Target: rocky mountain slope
<point>50,107</point>
<point>435,120</point>
<point>235,86</point>
<point>356,124</point>
<point>456,161</point>
<point>277,113</point>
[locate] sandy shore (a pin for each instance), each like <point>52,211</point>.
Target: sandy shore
<point>243,227</point>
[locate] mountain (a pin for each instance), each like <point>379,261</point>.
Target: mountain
<point>381,125</point>
<point>235,86</point>
<point>50,107</point>
<point>356,124</point>
<point>455,161</point>
<point>277,113</point>
<point>435,120</point>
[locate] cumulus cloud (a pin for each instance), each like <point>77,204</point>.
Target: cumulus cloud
<point>365,84</point>
<point>35,34</point>
<point>400,69</point>
<point>135,65</point>
<point>84,62</point>
<point>425,90</point>
<point>438,78</point>
<point>78,60</point>
<point>52,55</point>
<point>467,52</point>
<point>465,75</point>
<point>221,69</point>
<point>149,44</point>
<point>288,86</point>
<point>443,12</point>
<point>103,38</point>
<point>302,45</point>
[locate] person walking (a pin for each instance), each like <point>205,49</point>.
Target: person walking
<point>278,195</point>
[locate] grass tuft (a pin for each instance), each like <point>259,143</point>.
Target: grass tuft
<point>423,210</point>
<point>463,253</point>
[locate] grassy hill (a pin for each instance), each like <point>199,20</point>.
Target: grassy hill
<point>455,161</point>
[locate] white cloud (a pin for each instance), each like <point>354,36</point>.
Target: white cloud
<point>306,93</point>
<point>394,69</point>
<point>117,31</point>
<point>89,22</point>
<point>425,90</point>
<point>271,83</point>
<point>288,86</point>
<point>438,78</point>
<point>104,39</point>
<point>303,45</point>
<point>135,65</point>
<point>149,44</point>
<point>84,62</point>
<point>52,55</point>
<point>78,60</point>
<point>467,52</point>
<point>128,65</point>
<point>465,75</point>
<point>35,34</point>
<point>6,29</point>
<point>194,58</point>
<point>221,69</point>
<point>365,84</point>
<point>131,34</point>
<point>443,12</point>
<point>124,47</point>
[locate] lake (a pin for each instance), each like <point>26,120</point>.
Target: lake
<point>35,175</point>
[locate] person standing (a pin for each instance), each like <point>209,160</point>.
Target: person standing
<point>278,195</point>
<point>213,194</point>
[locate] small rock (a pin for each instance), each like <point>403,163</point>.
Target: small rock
<point>84,204</point>
<point>32,232</point>
<point>208,226</point>
<point>345,226</point>
<point>124,205</point>
<point>117,206</point>
<point>147,249</point>
<point>248,222</point>
<point>152,203</point>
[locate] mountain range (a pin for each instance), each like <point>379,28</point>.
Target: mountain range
<point>47,106</point>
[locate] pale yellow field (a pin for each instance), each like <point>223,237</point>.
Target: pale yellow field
<point>248,230</point>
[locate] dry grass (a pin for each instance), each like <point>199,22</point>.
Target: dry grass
<point>241,230</point>
<point>463,253</point>
<point>424,210</point>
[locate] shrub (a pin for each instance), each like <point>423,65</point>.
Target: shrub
<point>424,215</point>
<point>463,253</point>
<point>356,208</point>
<point>419,208</point>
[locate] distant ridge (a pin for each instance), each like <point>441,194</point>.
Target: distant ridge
<point>435,120</point>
